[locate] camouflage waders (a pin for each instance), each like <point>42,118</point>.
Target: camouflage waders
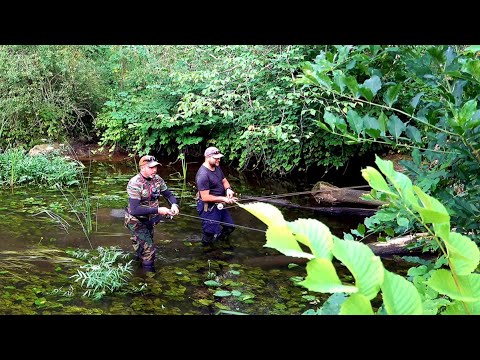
<point>142,239</point>
<point>141,227</point>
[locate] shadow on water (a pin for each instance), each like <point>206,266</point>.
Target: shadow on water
<point>35,270</point>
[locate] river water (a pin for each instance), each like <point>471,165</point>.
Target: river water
<point>36,270</point>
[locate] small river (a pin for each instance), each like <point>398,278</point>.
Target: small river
<point>36,269</point>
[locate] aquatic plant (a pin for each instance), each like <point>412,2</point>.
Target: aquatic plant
<point>17,168</point>
<point>104,273</point>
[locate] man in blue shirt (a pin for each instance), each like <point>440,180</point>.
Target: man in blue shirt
<point>214,191</point>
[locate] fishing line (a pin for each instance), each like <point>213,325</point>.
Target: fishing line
<point>259,199</point>
<point>222,223</point>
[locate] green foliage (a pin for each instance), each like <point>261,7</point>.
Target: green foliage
<point>20,169</point>
<point>47,92</point>
<point>240,98</point>
<point>452,290</point>
<point>104,273</point>
<point>434,90</point>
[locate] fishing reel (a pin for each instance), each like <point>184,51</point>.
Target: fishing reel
<point>220,206</point>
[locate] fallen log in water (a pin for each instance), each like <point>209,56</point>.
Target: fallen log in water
<point>325,193</point>
<point>330,210</point>
<point>396,246</point>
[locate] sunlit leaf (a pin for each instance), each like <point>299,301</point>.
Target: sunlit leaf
<point>366,268</point>
<point>468,285</point>
<point>322,277</point>
<point>315,235</point>
<point>463,308</point>
<point>400,296</point>
<point>376,180</point>
<point>463,253</point>
<point>356,304</point>
<point>267,213</point>
<point>281,238</point>
<point>432,210</point>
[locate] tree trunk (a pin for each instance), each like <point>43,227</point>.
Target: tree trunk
<point>325,210</point>
<point>325,193</point>
<point>394,246</point>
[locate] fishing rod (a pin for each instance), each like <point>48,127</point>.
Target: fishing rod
<point>299,193</point>
<point>277,196</point>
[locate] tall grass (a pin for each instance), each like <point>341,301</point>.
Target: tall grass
<point>81,205</point>
<point>52,170</point>
<point>17,168</point>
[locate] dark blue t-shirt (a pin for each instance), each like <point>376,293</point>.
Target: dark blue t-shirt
<point>210,180</point>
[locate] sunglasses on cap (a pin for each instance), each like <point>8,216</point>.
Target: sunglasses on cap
<point>150,158</point>
<point>214,153</point>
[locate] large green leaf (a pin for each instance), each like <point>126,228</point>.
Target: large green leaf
<point>334,121</point>
<point>323,80</point>
<point>391,95</point>
<point>339,79</point>
<point>395,126</point>
<point>315,235</point>
<point>281,238</point>
<point>366,92</point>
<point>432,210</point>
<point>400,296</point>
<point>373,84</point>
<point>382,123</point>
<point>376,180</point>
<point>352,85</point>
<point>402,183</point>
<point>442,230</point>
<point>472,67</point>
<point>356,304</point>
<point>322,277</point>
<point>463,308</point>
<point>371,126</point>
<point>467,111</point>
<point>366,268</point>
<point>355,121</point>
<point>463,254</point>
<point>468,288</point>
<point>416,99</point>
<point>267,213</point>
<point>278,235</point>
<point>414,134</point>
<point>385,166</point>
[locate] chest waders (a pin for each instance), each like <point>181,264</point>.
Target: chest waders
<point>215,218</point>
